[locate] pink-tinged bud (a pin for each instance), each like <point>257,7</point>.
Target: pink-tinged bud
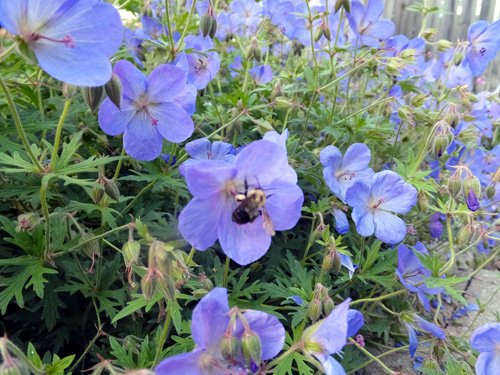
<point>206,282</point>
<point>251,347</point>
<point>114,90</point>
<point>93,97</point>
<point>26,221</point>
<point>254,50</point>
<point>208,23</point>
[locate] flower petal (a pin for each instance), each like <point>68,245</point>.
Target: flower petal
<point>364,220</point>
<point>389,228</point>
<point>330,364</point>
<point>284,205</point>
<point>134,83</point>
<point>185,363</point>
<point>486,337</point>
<point>112,120</point>
<point>488,363</point>
<point>210,319</point>
<point>141,139</point>
<point>243,243</point>
<point>332,331</point>
<point>358,194</point>
<point>207,177</point>
<point>355,321</point>
<point>174,124</point>
<point>397,195</point>
<point>199,221</point>
<point>165,82</point>
<point>356,158</point>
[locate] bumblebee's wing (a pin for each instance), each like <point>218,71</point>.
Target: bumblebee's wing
<point>268,223</point>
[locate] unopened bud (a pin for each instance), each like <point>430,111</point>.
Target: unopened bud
<point>254,50</point>
<point>89,244</point>
<point>318,34</point>
<point>465,234</point>
<point>277,91</point>
<point>423,201</point>
<point>251,347</point>
<point>443,45</point>
<point>26,221</point>
<point>331,262</point>
<point>131,250</point>
<point>328,305</point>
<point>68,90</point>
<point>440,144</point>
<point>93,96</point>
<point>418,100</point>
<point>458,56</point>
<point>114,90</point>
<point>454,185</point>
<point>347,6</point>
<point>97,193</point>
<point>327,33</point>
<point>472,183</point>
<point>338,5</point>
<point>206,282</point>
<point>429,34</point>
<point>208,23</point>
<point>282,102</point>
<point>111,188</point>
<point>229,346</point>
<point>148,285</point>
<point>314,310</point>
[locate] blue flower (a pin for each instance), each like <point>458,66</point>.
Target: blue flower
<point>150,110</point>
<point>328,336</point>
<point>341,172</point>
<point>212,322</point>
<point>203,149</point>
<point>341,221</point>
<point>262,74</point>
<point>484,43</point>
<point>366,23</point>
<point>217,187</point>
<point>425,326</point>
<point>412,273</point>
<point>373,204</point>
<point>486,340</point>
<point>204,64</point>
<point>71,39</point>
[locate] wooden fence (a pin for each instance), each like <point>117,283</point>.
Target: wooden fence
<point>452,23</point>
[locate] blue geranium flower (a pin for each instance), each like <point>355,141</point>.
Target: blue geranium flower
<point>486,340</point>
<point>204,64</point>
<point>203,149</point>
<point>421,324</point>
<point>412,273</point>
<point>150,110</point>
<point>341,172</point>
<point>261,74</point>
<point>216,187</point>
<point>71,39</point>
<point>366,23</point>
<point>212,322</point>
<point>373,204</point>
<point>484,43</point>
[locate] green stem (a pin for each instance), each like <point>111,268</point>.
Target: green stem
<point>19,126</point>
<point>371,356</point>
<point>309,240</point>
<point>310,19</point>
<point>119,165</point>
<point>87,349</point>
<point>226,272</point>
<point>184,32</point>
<point>102,235</point>
<point>140,194</point>
<point>190,256</point>
<point>306,121</point>
<point>338,79</point>
<point>375,103</point>
<point>169,26</point>
<point>482,265</point>
<point>212,96</point>
<point>59,129</point>
<point>46,214</point>
<point>380,298</point>
<point>277,360</point>
<point>22,358</point>
<point>450,262</point>
<point>7,51</point>
<point>163,336</point>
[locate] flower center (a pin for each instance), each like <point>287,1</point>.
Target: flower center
<point>142,104</point>
<point>482,51</point>
<point>375,204</point>
<point>68,40</point>
<point>345,175</point>
<point>201,64</point>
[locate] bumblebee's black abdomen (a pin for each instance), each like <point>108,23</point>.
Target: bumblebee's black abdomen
<point>241,216</point>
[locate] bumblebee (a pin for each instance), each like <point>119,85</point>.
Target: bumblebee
<point>250,207</point>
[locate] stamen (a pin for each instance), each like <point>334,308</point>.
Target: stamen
<point>482,51</point>
<point>67,40</point>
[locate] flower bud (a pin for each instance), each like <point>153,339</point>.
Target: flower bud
<point>327,33</point>
<point>97,193</point>
<point>229,346</point>
<point>429,33</point>
<point>90,245</point>
<point>328,305</point>
<point>338,5</point>
<point>114,90</point>
<point>26,221</point>
<point>206,282</point>
<point>331,262</point>
<point>93,96</point>
<point>68,90</point>
<point>472,183</point>
<point>458,56</point>
<point>254,50</point>
<point>277,91</point>
<point>443,45</point>
<point>208,23</point>
<point>423,201</point>
<point>490,191</point>
<point>111,188</point>
<point>131,250</point>
<point>440,144</point>
<point>318,34</point>
<point>148,285</point>
<point>251,347</point>
<point>282,102</point>
<point>454,185</point>
<point>314,310</point>
<point>465,234</point>
<point>418,100</point>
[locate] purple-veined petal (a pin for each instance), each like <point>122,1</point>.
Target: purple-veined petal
<point>397,195</point>
<point>243,243</point>
<point>269,329</point>
<point>356,158</point>
<point>355,321</point>
<point>199,221</point>
<point>174,124</point>
<point>430,327</point>
<point>185,363</point>
<point>141,139</point>
<point>331,157</point>
<point>488,363</point>
<point>165,82</point>
<point>112,120</point>
<point>486,337</point>
<point>207,177</point>
<point>373,10</point>
<point>364,220</point>
<point>358,194</point>
<point>332,331</point>
<point>284,204</point>
<point>134,83</point>
<point>199,148</point>
<point>187,99</point>
<point>412,336</point>
<point>330,364</point>
<point>210,319</point>
<point>389,228</point>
